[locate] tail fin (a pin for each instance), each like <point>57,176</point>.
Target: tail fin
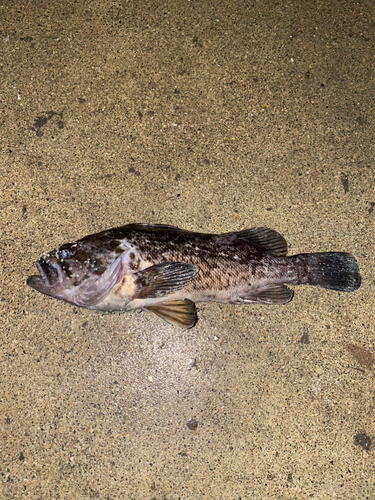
<point>334,270</point>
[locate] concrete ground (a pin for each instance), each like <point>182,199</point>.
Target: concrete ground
<point>211,116</point>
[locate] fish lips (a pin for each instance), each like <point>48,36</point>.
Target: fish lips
<point>49,277</point>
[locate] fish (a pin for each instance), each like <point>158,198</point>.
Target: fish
<point>166,270</point>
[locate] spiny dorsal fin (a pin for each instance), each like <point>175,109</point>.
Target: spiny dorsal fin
<point>162,227</point>
<point>274,293</point>
<point>265,238</point>
<point>163,279</point>
<point>175,312</point>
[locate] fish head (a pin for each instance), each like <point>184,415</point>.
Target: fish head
<point>81,273</point>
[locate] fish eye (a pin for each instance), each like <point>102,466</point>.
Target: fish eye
<point>66,253</point>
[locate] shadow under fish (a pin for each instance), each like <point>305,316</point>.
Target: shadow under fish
<point>165,270</point>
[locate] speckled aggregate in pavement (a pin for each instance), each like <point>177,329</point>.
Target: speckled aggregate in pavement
<point>212,116</point>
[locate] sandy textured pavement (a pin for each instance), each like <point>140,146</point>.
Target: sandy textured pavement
<point>211,116</point>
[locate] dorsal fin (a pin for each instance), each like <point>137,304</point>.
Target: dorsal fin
<point>265,238</point>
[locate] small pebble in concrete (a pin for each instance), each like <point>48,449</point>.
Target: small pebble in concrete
<point>361,439</point>
<point>192,424</point>
<point>305,338</point>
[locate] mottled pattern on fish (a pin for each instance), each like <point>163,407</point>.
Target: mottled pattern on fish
<point>165,270</point>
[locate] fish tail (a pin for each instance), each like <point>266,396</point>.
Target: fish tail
<point>333,270</point>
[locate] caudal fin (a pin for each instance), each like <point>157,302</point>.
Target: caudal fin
<point>333,270</point>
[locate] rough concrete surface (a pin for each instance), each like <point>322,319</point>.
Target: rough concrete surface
<point>211,116</point>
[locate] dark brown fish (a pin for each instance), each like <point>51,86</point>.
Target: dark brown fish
<point>165,269</point>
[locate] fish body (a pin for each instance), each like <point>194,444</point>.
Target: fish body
<point>165,270</point>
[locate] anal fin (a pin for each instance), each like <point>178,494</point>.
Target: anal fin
<point>275,293</point>
<point>175,312</point>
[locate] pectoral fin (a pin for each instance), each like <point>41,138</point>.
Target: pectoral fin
<point>163,279</point>
<point>176,312</point>
<point>275,293</point>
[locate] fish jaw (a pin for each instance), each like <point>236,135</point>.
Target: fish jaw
<point>49,278</point>
<point>38,283</point>
<point>88,294</point>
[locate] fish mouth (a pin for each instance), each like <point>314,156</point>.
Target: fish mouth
<point>89,293</point>
<point>50,275</point>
